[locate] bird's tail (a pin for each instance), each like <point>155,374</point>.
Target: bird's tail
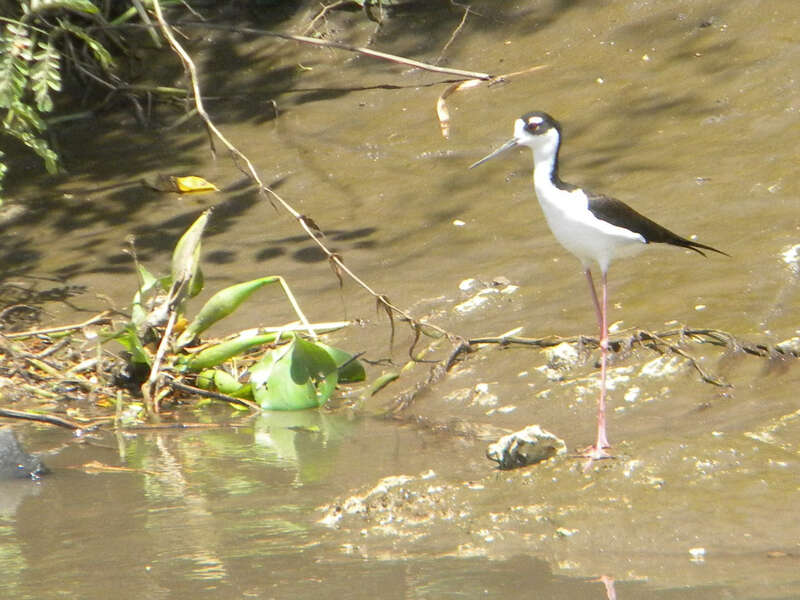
<point>696,246</point>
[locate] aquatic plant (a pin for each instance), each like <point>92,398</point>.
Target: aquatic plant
<point>294,371</point>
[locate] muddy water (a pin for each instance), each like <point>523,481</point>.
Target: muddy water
<point>687,110</point>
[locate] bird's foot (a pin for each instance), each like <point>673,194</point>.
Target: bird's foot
<point>593,453</point>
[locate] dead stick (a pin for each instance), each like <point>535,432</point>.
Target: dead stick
<point>190,389</point>
<point>103,316</point>
<point>51,419</point>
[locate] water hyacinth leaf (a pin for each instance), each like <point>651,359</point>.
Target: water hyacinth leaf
<point>350,368</point>
<point>186,258</point>
<point>226,383</point>
<point>197,282</point>
<point>219,353</point>
<point>220,305</point>
<point>147,283</point>
<point>205,379</point>
<point>304,376</point>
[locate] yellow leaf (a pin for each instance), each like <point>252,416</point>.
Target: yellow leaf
<point>192,183</point>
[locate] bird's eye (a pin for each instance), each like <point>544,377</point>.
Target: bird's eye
<point>532,126</point>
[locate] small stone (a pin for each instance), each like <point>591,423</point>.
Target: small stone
<point>562,356</point>
<point>528,446</point>
<point>790,346</point>
<point>501,281</point>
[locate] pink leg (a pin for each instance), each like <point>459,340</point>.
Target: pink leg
<point>598,450</point>
<point>597,308</point>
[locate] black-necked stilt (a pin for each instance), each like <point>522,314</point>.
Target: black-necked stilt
<point>595,228</point>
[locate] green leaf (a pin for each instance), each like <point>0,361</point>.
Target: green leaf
<point>220,305</point>
<point>131,342</point>
<point>45,75</point>
<point>149,282</point>
<point>226,383</point>
<point>186,255</point>
<point>14,55</point>
<point>186,260</point>
<point>101,55</point>
<point>19,129</point>
<point>197,282</point>
<point>294,378</point>
<point>350,369</point>
<point>219,353</point>
<point>23,119</point>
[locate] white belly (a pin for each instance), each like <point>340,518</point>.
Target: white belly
<point>590,239</point>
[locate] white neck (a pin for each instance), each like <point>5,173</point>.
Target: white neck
<point>543,165</point>
<point>545,151</point>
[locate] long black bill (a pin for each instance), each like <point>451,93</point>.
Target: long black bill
<point>507,146</point>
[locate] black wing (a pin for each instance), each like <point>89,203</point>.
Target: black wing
<point>620,214</point>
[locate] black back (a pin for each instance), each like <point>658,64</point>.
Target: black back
<point>618,213</point>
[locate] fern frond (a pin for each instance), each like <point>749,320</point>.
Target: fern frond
<point>45,74</point>
<point>32,141</point>
<point>23,117</point>
<point>15,52</point>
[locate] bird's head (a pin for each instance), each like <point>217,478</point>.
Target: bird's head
<point>538,131</point>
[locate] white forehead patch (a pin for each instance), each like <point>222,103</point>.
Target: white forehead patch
<point>535,120</point>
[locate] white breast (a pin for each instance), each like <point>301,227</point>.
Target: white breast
<point>590,239</point>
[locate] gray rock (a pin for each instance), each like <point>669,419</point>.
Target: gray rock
<point>526,447</point>
<point>15,463</point>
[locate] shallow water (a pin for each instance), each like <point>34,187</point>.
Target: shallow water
<point>686,110</point>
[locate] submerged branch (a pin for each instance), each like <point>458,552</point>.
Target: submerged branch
<point>50,419</point>
<point>658,341</point>
<point>190,389</point>
<point>436,374</point>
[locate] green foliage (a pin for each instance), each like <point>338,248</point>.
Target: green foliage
<point>292,372</point>
<point>298,376</point>
<point>99,52</point>
<point>19,64</point>
<point>32,53</point>
<point>45,74</point>
<point>222,304</point>
<point>216,354</point>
